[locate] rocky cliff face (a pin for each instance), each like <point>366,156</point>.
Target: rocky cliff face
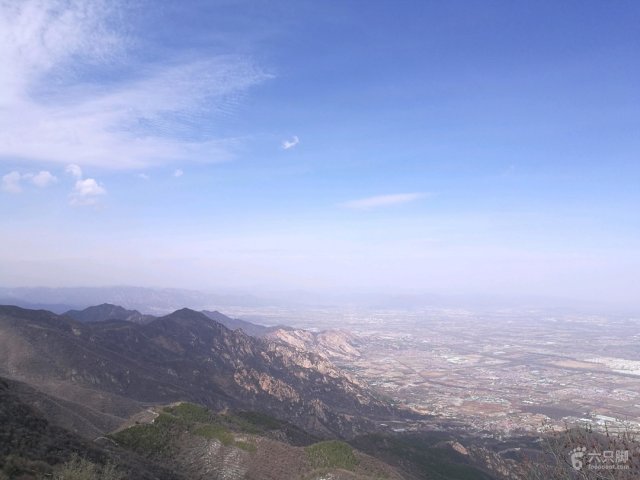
<point>335,345</point>
<point>182,356</point>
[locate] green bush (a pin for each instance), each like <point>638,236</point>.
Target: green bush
<point>15,466</point>
<point>214,431</point>
<point>77,469</point>
<point>159,437</point>
<point>150,438</point>
<point>331,454</point>
<point>82,469</point>
<point>190,413</point>
<point>110,472</point>
<point>248,446</point>
<point>255,422</point>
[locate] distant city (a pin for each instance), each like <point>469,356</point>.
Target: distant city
<point>507,372</point>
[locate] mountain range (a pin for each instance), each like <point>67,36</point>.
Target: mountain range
<point>164,300</point>
<point>105,380</point>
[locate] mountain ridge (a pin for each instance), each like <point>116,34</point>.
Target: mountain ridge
<point>108,311</point>
<point>250,328</point>
<point>185,356</point>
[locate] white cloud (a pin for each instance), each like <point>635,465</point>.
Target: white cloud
<point>49,114</point>
<point>74,170</point>
<point>43,179</point>
<point>89,187</point>
<point>143,176</point>
<point>287,144</point>
<point>86,192</point>
<point>383,200</point>
<point>11,182</point>
<point>178,173</point>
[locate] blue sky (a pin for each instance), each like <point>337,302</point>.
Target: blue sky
<point>448,147</point>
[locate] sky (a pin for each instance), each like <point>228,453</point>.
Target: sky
<point>455,147</point>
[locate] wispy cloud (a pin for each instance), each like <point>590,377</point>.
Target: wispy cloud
<point>42,179</point>
<point>74,170</point>
<point>143,119</point>
<point>383,200</point>
<point>178,173</point>
<point>12,181</point>
<point>287,144</point>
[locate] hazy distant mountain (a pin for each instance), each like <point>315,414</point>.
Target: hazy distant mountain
<point>249,328</point>
<point>145,300</point>
<point>159,301</point>
<point>107,311</point>
<point>52,307</point>
<point>253,329</point>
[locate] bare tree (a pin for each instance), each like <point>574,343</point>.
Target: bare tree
<point>581,453</point>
